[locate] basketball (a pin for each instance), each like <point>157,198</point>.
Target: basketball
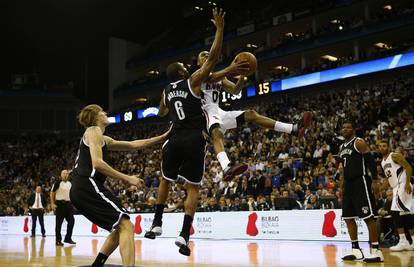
<point>250,58</point>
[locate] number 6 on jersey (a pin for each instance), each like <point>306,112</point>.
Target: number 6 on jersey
<point>179,109</point>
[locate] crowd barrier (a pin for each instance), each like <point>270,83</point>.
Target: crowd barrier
<point>274,225</point>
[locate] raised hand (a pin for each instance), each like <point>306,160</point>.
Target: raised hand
<point>218,18</point>
<point>239,67</point>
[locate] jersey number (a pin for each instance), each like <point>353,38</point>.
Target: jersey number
<point>215,96</point>
<point>179,109</point>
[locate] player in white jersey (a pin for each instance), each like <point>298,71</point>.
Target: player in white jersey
<point>218,120</point>
<point>398,172</point>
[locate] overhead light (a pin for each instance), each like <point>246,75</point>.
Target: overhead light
<point>251,46</point>
<point>141,99</point>
<point>383,45</point>
<point>238,77</point>
<point>288,34</point>
<point>153,72</point>
<point>334,21</point>
<point>387,7</point>
<point>282,68</point>
<point>340,27</point>
<point>329,57</point>
<point>198,8</point>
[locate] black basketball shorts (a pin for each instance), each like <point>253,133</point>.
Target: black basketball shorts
<point>183,156</point>
<point>96,203</point>
<point>358,199</point>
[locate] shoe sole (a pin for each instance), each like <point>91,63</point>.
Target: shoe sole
<point>151,235</point>
<point>183,249</point>
<point>236,170</point>
<point>373,260</point>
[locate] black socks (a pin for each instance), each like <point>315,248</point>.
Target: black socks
<point>159,210</point>
<point>100,260</point>
<point>185,232</point>
<point>355,244</point>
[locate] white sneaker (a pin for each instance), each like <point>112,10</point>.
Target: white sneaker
<point>411,247</point>
<point>355,255</point>
<point>376,256</point>
<point>401,246</point>
<point>183,245</point>
<point>179,241</point>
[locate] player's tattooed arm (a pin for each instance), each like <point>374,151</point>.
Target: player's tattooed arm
<point>399,159</point>
<point>115,145</point>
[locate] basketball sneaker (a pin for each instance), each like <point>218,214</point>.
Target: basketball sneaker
<point>233,170</point>
<point>355,255</point>
<point>183,245</point>
<point>153,232</point>
<point>303,123</point>
<point>411,247</point>
<point>401,246</point>
<point>376,256</point>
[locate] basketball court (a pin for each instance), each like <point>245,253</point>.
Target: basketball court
<point>25,251</point>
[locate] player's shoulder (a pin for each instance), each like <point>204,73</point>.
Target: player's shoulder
<point>396,155</point>
<point>360,141</point>
<point>93,130</point>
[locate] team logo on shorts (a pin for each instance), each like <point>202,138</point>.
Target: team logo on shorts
<point>365,210</point>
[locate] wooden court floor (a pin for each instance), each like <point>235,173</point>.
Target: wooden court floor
<point>26,251</point>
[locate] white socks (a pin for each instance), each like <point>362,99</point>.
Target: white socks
<point>283,127</point>
<point>223,160</point>
<point>402,237</point>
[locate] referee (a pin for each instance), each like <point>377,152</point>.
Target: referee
<point>59,196</point>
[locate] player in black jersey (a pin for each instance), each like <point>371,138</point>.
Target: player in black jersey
<point>88,193</point>
<point>358,199</point>
<point>183,153</point>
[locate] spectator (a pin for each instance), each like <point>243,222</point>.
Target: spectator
<point>37,203</point>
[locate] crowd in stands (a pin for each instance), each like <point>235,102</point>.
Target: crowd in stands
<point>284,172</point>
<point>293,38</point>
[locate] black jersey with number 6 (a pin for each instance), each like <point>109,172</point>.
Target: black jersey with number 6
<point>184,106</point>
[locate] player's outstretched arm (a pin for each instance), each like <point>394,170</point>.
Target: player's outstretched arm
<point>399,159</point>
<point>235,68</point>
<point>203,73</point>
<point>95,139</point>
<point>115,145</point>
